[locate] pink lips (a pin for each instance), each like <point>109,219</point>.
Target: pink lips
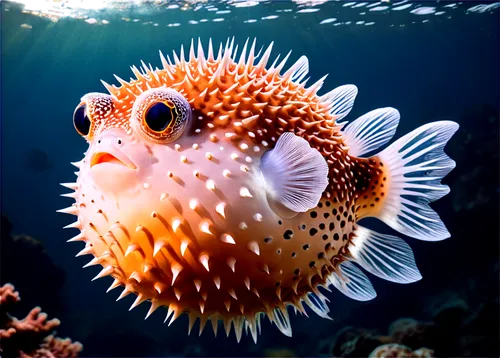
<point>104,157</point>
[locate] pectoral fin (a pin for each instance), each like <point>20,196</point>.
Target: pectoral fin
<point>295,175</point>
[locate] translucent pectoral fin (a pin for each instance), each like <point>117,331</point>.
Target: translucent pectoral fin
<point>295,175</point>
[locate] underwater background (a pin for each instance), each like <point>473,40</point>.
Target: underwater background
<point>430,60</point>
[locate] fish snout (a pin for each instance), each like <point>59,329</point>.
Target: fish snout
<point>109,150</point>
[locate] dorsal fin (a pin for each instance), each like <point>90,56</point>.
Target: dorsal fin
<point>371,131</point>
<point>340,101</point>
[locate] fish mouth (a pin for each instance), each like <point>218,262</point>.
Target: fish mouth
<point>105,157</point>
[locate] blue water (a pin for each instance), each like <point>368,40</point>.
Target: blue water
<point>441,69</point>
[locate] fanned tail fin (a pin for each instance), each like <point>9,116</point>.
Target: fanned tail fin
<point>416,163</point>
<point>396,186</point>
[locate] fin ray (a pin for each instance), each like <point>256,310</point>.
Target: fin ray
<point>358,287</point>
<point>281,319</point>
<point>371,131</point>
<point>317,304</point>
<point>385,256</point>
<point>340,100</point>
<point>294,173</point>
<point>417,163</point>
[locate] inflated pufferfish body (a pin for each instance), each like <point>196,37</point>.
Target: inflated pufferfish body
<point>229,190</point>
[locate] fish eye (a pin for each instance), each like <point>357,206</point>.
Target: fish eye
<point>161,114</point>
<point>81,120</point>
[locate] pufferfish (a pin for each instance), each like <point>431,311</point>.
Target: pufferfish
<point>227,189</point>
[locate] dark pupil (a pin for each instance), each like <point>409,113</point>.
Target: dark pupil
<point>81,121</point>
<point>159,116</point>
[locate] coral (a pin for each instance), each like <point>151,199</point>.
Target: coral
<point>279,352</point>
<point>352,342</point>
<point>399,351</point>
<point>410,332</point>
<point>31,336</point>
<point>41,275</point>
<point>455,330</point>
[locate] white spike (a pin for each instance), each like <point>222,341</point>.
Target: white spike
<point>106,271</point>
<point>283,62</point>
<point>137,302</point>
<point>231,262</point>
<point>245,193</point>
<point>175,224</point>
<point>177,293</point>
<point>75,225</point>
<point>72,195</point>
<point>94,261</point>
<point>210,184</point>
<point>72,186</point>
<point>131,248</point>
<point>126,291</point>
<point>210,56</point>
<point>176,59</point>
<point>176,269</point>
<point>242,60</point>
<point>254,247</point>
<point>145,67</point>
<point>87,250</point>
<point>192,56</point>
<point>251,57</point>
<point>205,227</point>
<point>184,245</point>
<point>299,70</point>
<point>193,204</point>
<point>315,87</point>
<point>159,244</point>
<point>114,285</point>
<point>204,261</point>
<point>201,57</point>
<point>122,81</point>
<point>182,58</point>
<point>169,313</point>
<point>219,53</point>
<point>165,65</point>
<point>79,237</point>
<point>154,307</point>
<point>220,209</point>
<point>227,239</point>
<point>217,282</point>
<point>111,90</point>
<point>176,315</point>
<point>265,58</point>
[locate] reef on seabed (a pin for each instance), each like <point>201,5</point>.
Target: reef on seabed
<point>32,336</point>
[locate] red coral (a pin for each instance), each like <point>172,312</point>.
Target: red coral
<point>31,336</point>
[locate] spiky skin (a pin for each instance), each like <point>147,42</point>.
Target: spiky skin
<point>196,233</point>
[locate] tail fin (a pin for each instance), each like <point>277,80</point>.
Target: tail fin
<point>398,185</point>
<point>415,165</point>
